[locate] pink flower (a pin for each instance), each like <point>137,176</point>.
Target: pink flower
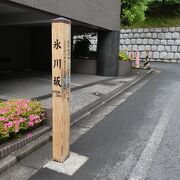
<point>21,120</point>
<point>3,111</point>
<point>3,119</point>
<point>16,130</point>
<point>5,126</point>
<point>33,117</point>
<point>10,124</point>
<point>31,124</point>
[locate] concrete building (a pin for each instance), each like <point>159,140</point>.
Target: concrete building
<point>25,31</point>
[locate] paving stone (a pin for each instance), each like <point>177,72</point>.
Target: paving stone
<point>163,55</point>
<point>154,48</point>
<point>177,42</point>
<point>135,47</point>
<point>131,35</point>
<point>174,48</point>
<point>154,35</point>
<point>134,30</point>
<point>173,61</point>
<point>148,35</point>
<point>151,41</point>
<point>176,35</point>
<point>161,36</point>
<point>125,36</point>
<point>145,41</point>
<point>170,55</point>
<point>133,41</point>
<point>128,30</point>
<point>123,31</point>
<point>179,49</point>
<point>143,54</point>
<point>160,48</point>
<point>122,41</point>
<point>140,30</point>
<point>141,48</point>
<point>156,55</point>
<point>167,35</point>
<point>148,47</point>
<point>127,41</point>
<point>157,41</point>
<point>178,29</point>
<point>166,61</point>
<point>165,29</point>
<point>151,30</point>
<point>177,56</point>
<point>163,42</point>
<point>167,48</point>
<point>157,29</point>
<point>146,30</point>
<point>139,41</point>
<point>142,35</point>
<point>170,42</point>
<point>172,29</point>
<point>136,35</point>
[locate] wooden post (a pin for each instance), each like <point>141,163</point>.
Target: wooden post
<point>61,57</point>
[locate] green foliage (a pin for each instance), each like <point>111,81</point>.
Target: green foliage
<point>82,47</point>
<point>166,8</point>
<point>123,56</point>
<point>153,22</point>
<point>133,11</point>
<point>159,14</point>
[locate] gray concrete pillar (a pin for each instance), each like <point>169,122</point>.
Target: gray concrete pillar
<point>107,53</point>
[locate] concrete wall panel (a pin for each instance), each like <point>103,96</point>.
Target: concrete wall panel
<point>101,13</point>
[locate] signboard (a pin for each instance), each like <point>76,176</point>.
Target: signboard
<point>61,62</point>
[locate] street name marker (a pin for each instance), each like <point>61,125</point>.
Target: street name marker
<point>61,60</point>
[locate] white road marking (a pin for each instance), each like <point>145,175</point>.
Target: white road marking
<point>76,84</point>
<point>139,172</point>
<point>70,166</point>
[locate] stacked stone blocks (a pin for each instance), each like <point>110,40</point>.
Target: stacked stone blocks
<point>163,43</point>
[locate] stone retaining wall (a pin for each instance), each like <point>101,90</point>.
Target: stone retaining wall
<point>163,43</point>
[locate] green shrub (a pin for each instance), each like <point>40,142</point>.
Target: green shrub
<point>123,56</point>
<point>133,11</point>
<point>81,47</point>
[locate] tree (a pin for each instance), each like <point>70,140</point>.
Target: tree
<point>133,11</point>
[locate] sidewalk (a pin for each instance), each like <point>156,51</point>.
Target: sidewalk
<point>85,101</point>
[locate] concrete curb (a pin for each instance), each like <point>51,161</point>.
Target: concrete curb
<point>16,156</point>
<point>99,103</point>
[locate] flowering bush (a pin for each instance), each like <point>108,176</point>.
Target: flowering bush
<point>19,115</point>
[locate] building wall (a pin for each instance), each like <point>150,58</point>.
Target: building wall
<point>101,13</point>
<point>40,48</point>
<point>14,48</point>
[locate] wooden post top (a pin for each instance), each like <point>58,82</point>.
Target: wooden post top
<point>61,19</point>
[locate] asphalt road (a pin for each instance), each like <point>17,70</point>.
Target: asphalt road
<point>138,140</point>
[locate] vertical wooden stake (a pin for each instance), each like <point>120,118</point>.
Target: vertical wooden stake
<point>61,57</point>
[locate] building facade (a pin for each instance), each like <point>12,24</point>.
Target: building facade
<point>25,30</point>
